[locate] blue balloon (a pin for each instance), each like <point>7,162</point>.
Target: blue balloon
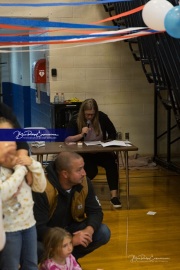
<point>172,22</point>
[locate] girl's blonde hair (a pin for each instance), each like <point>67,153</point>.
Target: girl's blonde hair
<point>88,104</point>
<point>52,241</point>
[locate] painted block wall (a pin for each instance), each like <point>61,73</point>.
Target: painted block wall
<point>17,97</point>
<point>106,72</point>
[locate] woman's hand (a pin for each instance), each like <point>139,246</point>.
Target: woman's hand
<point>85,130</point>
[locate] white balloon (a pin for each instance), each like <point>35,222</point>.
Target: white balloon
<point>154,13</point>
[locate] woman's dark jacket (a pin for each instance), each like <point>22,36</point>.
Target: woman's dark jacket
<point>107,127</point>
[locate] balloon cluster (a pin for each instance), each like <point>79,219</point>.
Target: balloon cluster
<point>161,15</point>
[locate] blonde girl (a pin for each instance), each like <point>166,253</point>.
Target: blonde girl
<point>58,251</point>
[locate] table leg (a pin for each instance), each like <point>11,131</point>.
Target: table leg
<point>40,158</point>
<point>127,176</point>
<point>118,168</point>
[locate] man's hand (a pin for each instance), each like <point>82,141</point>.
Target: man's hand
<point>83,237</point>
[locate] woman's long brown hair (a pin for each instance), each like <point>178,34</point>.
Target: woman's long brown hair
<point>88,104</point>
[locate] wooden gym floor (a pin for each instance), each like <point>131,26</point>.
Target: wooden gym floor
<point>138,240</point>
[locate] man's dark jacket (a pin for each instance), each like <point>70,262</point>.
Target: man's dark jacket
<point>62,216</point>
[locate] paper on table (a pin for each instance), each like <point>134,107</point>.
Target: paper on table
<point>93,143</point>
<point>38,144</point>
<point>114,143</point>
<point>110,143</point>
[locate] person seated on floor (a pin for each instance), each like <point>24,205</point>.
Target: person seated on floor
<point>69,202</point>
<point>58,251</point>
<point>90,124</point>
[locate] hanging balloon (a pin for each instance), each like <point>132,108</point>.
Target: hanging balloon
<point>154,12</point>
<point>172,22</point>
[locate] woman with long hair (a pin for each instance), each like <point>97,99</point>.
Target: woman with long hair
<point>90,124</point>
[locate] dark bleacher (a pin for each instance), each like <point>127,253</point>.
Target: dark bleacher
<point>160,59</point>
